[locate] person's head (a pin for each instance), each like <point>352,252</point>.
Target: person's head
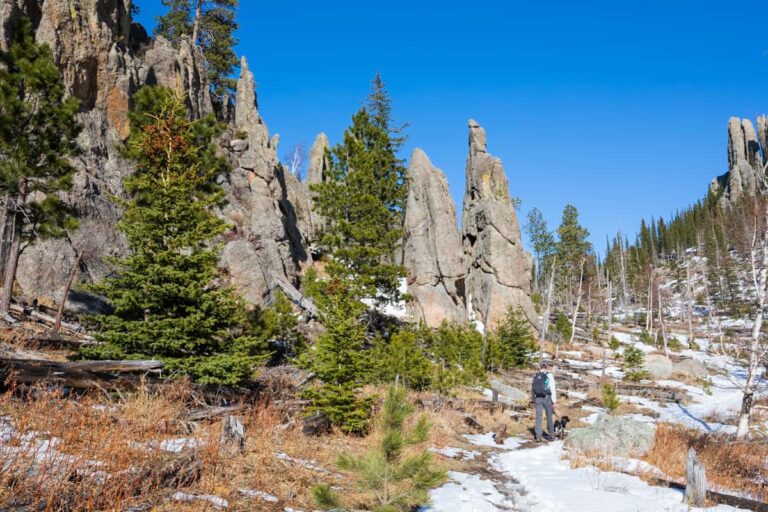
<point>543,366</point>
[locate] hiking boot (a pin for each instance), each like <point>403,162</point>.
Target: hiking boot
<point>548,438</point>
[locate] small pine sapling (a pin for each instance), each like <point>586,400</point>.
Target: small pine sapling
<point>633,364</point>
<point>614,343</point>
<point>610,397</point>
<point>395,474</point>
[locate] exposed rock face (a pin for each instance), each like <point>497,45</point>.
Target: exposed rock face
<point>433,253</point>
<point>498,267</point>
<point>266,239</point>
<point>658,366</point>
<point>317,172</point>
<point>104,59</point>
<point>745,176</point>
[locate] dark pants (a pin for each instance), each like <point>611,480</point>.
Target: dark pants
<point>544,403</point>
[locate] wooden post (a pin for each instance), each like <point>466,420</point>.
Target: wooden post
<point>233,432</point>
<point>695,481</point>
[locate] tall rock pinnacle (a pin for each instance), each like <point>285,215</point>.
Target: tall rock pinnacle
<point>433,252</point>
<point>498,267</point>
<point>745,174</point>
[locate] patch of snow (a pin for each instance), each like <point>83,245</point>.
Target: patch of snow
<point>309,464</point>
<point>213,500</point>
<point>487,440</point>
<point>467,493</point>
<point>456,453</point>
<point>177,445</point>
<point>264,496</point>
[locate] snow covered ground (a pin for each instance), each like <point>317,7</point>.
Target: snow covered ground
<point>542,478</point>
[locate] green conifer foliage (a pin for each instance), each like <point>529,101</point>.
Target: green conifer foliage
<point>512,345</point>
<point>633,364</point>
<point>213,23</point>
<point>166,301</point>
<point>396,478</point>
<point>363,202</point>
<point>402,360</point>
<point>456,350</point>
<point>38,132</point>
<point>338,358</point>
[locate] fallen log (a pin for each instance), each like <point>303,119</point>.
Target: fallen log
<point>658,393</point>
<point>207,413</point>
<point>76,375</point>
<point>47,319</point>
<point>719,498</point>
<point>295,295</point>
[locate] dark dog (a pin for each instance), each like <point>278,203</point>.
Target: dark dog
<point>560,424</point>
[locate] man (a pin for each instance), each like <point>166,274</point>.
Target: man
<point>544,397</point>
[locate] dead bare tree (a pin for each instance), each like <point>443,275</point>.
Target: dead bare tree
<point>758,348</point>
<point>578,303</point>
<point>545,318</point>
<point>294,160</point>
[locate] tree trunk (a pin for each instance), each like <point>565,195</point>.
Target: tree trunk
<point>649,315</point>
<point>623,274</point>
<point>610,329</point>
<point>578,303</point>
<point>695,481</point>
<point>545,318</point>
<point>11,265</point>
<point>661,325</point>
<point>689,289</point>
<point>70,280</point>
<point>196,26</point>
<point>6,233</point>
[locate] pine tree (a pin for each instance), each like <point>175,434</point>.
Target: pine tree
<point>542,240</point>
<point>211,25</point>
<point>165,298</point>
<point>379,106</point>
<point>573,245</point>
<point>38,132</point>
<point>513,344</point>
<point>338,358</point>
<point>402,360</point>
<point>396,477</point>
<point>363,204</point>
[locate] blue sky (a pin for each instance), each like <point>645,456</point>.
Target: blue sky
<point>619,108</point>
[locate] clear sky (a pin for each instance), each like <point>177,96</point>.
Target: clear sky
<point>619,108</point>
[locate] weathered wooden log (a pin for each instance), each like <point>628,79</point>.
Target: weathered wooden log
<point>695,481</point>
<point>295,295</point>
<point>316,425</point>
<point>500,434</point>
<point>77,375</point>
<point>206,413</point>
<point>473,424</point>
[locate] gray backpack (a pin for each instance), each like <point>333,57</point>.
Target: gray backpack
<point>541,385</point>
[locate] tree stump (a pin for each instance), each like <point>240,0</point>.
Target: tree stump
<point>696,481</point>
<point>233,432</point>
<point>472,423</point>
<point>500,434</point>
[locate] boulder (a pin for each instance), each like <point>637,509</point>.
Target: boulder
<point>613,436</point>
<point>658,366</point>
<point>691,368</point>
<point>432,252</point>
<point>508,391</point>
<point>498,267</point>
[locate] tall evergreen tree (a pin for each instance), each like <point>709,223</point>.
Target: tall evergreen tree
<point>542,239</point>
<point>211,24</point>
<point>363,201</point>
<point>573,245</point>
<point>165,299</point>
<point>38,132</point>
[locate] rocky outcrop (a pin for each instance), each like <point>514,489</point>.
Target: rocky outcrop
<point>745,175</point>
<point>432,253</point>
<point>658,366</point>
<point>265,241</point>
<point>317,172</point>
<point>498,267</point>
<point>104,59</point>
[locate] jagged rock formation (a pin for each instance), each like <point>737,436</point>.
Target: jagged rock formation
<point>432,253</point>
<point>498,267</point>
<point>104,59</point>
<point>265,241</point>
<point>746,175</point>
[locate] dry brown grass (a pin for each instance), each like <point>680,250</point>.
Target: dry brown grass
<point>730,465</point>
<point>104,457</point>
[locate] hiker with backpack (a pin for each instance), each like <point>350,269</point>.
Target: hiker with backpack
<point>544,397</point>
